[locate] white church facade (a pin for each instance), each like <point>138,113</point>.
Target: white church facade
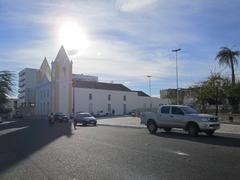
<point>57,89</point>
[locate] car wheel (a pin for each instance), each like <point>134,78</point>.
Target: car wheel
<point>167,129</point>
<point>209,132</point>
<point>193,129</point>
<point>152,127</point>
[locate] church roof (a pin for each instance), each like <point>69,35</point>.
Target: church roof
<point>45,70</point>
<point>62,55</point>
<point>100,85</point>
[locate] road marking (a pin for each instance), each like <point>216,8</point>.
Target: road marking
<point>7,122</point>
<point>181,153</point>
<point>10,130</point>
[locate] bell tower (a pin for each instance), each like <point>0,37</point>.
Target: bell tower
<point>62,83</point>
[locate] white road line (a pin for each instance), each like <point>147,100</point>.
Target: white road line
<point>10,130</point>
<point>181,153</point>
<point>7,122</point>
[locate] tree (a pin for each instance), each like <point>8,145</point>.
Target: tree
<point>6,83</point>
<point>211,91</point>
<point>228,57</point>
<point>233,93</point>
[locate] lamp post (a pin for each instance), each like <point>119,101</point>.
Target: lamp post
<point>150,90</point>
<point>217,84</point>
<point>176,51</point>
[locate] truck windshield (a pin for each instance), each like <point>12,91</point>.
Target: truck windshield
<point>189,110</point>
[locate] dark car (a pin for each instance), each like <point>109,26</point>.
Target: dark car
<point>60,117</point>
<point>18,115</point>
<point>133,113</point>
<point>84,119</point>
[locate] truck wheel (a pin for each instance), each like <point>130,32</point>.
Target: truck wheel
<point>152,127</point>
<point>193,129</point>
<point>167,129</point>
<point>209,132</point>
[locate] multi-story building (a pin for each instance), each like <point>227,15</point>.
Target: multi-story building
<point>57,89</point>
<point>27,87</point>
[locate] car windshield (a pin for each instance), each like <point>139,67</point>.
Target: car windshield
<point>189,110</point>
<point>60,114</point>
<point>85,115</point>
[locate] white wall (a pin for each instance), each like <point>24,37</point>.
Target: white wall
<point>100,101</point>
<point>43,99</point>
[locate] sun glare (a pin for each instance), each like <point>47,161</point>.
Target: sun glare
<point>73,38</point>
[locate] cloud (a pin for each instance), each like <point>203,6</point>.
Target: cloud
<point>129,39</point>
<point>132,5</point>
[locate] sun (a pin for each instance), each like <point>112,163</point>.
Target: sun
<point>73,37</point>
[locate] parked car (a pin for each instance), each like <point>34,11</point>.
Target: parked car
<point>84,119</point>
<point>133,113</point>
<point>178,116</point>
<point>102,113</point>
<point>60,117</point>
<point>18,115</point>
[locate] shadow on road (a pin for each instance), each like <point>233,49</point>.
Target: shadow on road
<point>122,126</point>
<point>217,139</point>
<point>26,136</point>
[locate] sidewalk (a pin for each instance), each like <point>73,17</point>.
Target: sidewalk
<point>134,122</point>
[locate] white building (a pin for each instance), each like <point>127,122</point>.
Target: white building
<point>27,87</point>
<point>58,90</point>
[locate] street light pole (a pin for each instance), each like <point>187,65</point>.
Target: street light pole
<point>176,51</point>
<point>150,90</point>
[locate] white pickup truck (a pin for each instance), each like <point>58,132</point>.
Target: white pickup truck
<point>179,116</point>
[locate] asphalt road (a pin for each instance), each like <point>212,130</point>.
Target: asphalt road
<point>31,149</point>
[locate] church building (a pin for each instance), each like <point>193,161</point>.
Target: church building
<point>57,89</point>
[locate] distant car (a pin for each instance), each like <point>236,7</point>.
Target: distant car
<point>60,117</point>
<point>18,115</point>
<point>102,113</point>
<point>84,119</point>
<point>133,113</point>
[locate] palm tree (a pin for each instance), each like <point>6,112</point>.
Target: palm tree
<point>228,57</point>
<point>6,83</point>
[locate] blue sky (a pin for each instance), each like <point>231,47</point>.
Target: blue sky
<point>128,39</point>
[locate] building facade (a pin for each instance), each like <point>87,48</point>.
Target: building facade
<point>57,89</point>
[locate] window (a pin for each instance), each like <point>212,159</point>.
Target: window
<point>124,98</point>
<point>90,96</point>
<point>48,107</point>
<point>44,108</point>
<point>109,108</point>
<point>90,108</point>
<point>176,110</point>
<point>47,92</point>
<point>109,97</point>
<point>124,109</point>
<point>165,110</point>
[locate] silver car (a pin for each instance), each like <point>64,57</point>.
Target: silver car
<point>179,116</point>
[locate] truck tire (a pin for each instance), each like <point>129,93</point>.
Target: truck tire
<point>193,129</point>
<point>210,132</point>
<point>152,127</point>
<point>167,129</point>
